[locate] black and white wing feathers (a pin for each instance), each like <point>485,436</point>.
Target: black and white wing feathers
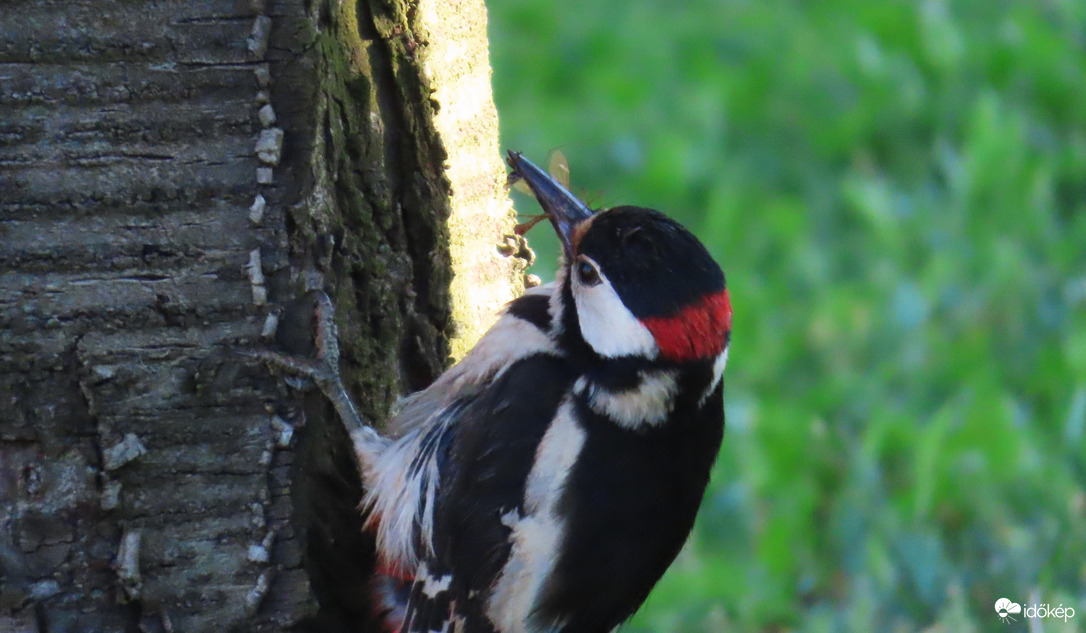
<point>482,492</point>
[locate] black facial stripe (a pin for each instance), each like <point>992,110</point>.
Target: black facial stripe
<point>626,374</point>
<point>623,373</point>
<point>571,341</point>
<point>654,264</point>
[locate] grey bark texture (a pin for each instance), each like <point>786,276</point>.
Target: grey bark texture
<point>175,177</point>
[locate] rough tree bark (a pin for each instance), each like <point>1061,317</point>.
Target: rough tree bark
<point>174,177</point>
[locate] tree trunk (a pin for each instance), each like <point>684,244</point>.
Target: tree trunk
<point>174,177</point>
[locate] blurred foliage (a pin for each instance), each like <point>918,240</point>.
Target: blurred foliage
<point>897,193</point>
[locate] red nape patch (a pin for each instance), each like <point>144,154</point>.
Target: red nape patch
<point>697,331</point>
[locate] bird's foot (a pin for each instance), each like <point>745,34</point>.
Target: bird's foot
<point>323,369</point>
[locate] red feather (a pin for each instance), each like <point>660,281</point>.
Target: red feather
<point>699,330</point>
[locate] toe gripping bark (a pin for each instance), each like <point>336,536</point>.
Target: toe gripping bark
<point>323,370</point>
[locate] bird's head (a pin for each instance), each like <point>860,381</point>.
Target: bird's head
<point>634,283</point>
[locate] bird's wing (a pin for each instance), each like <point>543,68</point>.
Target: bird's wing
<point>483,473</point>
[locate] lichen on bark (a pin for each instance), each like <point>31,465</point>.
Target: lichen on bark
<point>175,179</point>
<point>404,218</point>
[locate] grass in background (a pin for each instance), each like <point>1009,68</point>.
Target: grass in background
<point>897,193</point>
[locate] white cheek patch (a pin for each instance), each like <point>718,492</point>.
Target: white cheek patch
<point>608,325</point>
<point>718,372</point>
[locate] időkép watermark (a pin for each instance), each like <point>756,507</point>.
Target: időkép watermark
<point>1006,610</point>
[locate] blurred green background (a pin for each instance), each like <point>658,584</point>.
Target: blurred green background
<point>897,193</point>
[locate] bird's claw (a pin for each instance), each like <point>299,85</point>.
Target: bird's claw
<point>323,369</point>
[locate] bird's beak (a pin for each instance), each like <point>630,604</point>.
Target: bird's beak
<point>562,207</point>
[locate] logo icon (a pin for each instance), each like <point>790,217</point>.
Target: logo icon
<point>1005,608</point>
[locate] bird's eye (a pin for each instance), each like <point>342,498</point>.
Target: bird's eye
<point>587,273</point>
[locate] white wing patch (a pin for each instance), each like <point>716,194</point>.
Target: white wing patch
<point>648,404</point>
<point>536,536</point>
<point>432,586</point>
<point>400,497</point>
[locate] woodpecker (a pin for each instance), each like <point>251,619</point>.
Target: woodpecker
<point>545,482</point>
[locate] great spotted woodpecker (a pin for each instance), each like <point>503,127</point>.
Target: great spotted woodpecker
<point>545,482</point>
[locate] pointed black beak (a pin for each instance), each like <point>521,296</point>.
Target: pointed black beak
<point>562,207</point>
